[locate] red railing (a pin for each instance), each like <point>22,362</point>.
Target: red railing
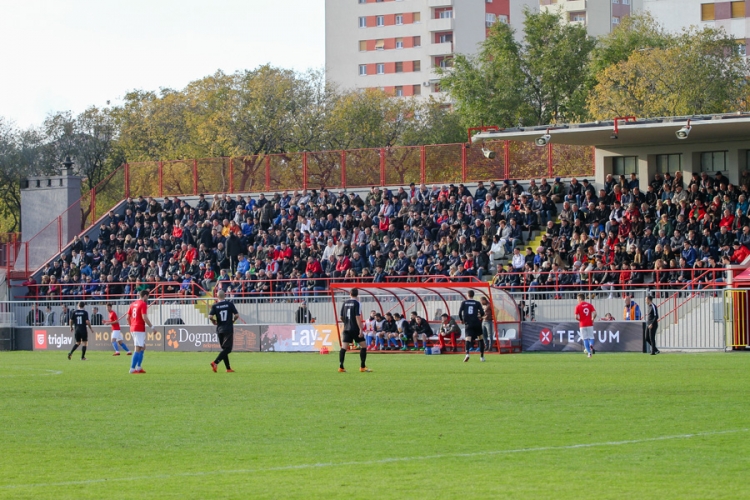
<point>311,286</point>
<point>566,282</point>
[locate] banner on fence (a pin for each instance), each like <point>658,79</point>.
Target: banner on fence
<point>179,338</point>
<point>187,338</point>
<point>299,338</point>
<point>61,338</point>
<point>611,336</point>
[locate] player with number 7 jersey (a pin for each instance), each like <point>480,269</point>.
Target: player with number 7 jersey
<point>586,314</point>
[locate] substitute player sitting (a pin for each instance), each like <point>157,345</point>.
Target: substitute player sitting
<point>351,317</point>
<point>448,328</point>
<point>420,329</point>
<point>586,314</point>
<point>117,338</point>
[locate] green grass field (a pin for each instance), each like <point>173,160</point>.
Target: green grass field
<point>288,425</point>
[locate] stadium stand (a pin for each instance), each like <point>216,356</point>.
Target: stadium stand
<point>524,237</point>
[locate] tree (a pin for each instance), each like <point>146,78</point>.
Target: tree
<point>698,72</point>
<point>20,157</point>
<point>540,81</point>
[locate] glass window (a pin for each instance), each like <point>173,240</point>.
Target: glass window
<point>399,91</point>
<point>489,19</point>
<point>668,163</point>
<point>417,17</point>
<point>379,44</point>
<point>417,90</point>
<point>362,45</point>
<point>363,22</point>
<point>417,65</point>
<point>380,68</point>
<point>738,9</point>
<point>446,14</point>
<point>399,19</point>
<point>707,12</point>
<point>362,70</point>
<point>713,161</point>
<point>380,20</point>
<point>399,67</point>
<point>417,41</point>
<point>624,165</point>
<point>399,43</point>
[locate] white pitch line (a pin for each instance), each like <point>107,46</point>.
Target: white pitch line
<point>373,462</point>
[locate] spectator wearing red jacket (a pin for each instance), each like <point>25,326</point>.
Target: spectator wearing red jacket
<point>740,253</point>
<point>343,264</point>
<point>313,268</point>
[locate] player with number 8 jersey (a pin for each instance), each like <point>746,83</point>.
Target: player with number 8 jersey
<point>586,314</point>
<point>138,319</point>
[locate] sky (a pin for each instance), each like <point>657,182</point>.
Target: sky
<point>58,55</point>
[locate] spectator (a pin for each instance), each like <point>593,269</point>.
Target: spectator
<point>35,316</point>
<point>632,311</point>
<point>96,317</point>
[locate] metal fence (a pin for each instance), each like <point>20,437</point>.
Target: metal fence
<point>689,320</point>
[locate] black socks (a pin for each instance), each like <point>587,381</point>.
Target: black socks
<point>363,356</point>
<point>342,355</point>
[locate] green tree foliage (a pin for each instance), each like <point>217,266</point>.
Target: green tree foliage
<point>693,72</point>
<point>540,81</point>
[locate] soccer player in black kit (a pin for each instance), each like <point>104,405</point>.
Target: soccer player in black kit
<point>80,325</point>
<point>471,315</point>
<point>351,316</point>
<point>223,314</point>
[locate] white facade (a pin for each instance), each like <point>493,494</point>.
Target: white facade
<point>678,14</point>
<point>396,45</point>
<point>599,16</point>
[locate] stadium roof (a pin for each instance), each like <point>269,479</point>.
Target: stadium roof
<point>638,133</point>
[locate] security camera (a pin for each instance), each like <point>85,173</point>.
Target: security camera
<point>488,153</point>
<point>543,140</point>
<point>684,132</point>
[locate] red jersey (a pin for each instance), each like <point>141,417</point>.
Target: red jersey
<point>585,311</point>
<point>113,319</point>
<point>135,315</point>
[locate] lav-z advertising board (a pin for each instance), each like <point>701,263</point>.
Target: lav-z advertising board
<point>202,338</point>
<point>610,336</point>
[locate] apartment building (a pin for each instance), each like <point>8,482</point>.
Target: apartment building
<point>396,45</point>
<point>733,16</point>
<point>599,16</point>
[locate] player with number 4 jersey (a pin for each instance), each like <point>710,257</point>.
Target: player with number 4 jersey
<point>586,314</point>
<point>223,314</point>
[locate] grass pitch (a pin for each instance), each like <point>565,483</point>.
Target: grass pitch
<point>288,425</point>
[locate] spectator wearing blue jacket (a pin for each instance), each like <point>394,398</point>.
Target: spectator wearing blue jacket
<point>688,253</point>
<point>632,312</point>
<point>243,265</point>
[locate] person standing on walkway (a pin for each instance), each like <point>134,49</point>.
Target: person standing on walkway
<point>652,323</point>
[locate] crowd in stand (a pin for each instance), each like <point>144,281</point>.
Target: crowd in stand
<point>677,233</point>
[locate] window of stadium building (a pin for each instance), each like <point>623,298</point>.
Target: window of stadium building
<point>713,161</point>
<point>668,163</point>
<point>624,165</point>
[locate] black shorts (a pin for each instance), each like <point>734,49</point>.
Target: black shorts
<point>82,336</point>
<point>473,331</point>
<point>226,340</point>
<point>352,336</point>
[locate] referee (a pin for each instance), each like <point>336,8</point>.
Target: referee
<point>351,316</point>
<point>652,323</point>
<point>223,314</point>
<point>471,314</point>
<point>80,324</point>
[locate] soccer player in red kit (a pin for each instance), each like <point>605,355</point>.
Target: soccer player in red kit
<point>586,314</point>
<point>116,333</point>
<point>138,319</point>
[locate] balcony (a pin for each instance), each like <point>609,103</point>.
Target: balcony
<point>440,24</point>
<point>574,5</point>
<point>439,3</point>
<point>440,49</point>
